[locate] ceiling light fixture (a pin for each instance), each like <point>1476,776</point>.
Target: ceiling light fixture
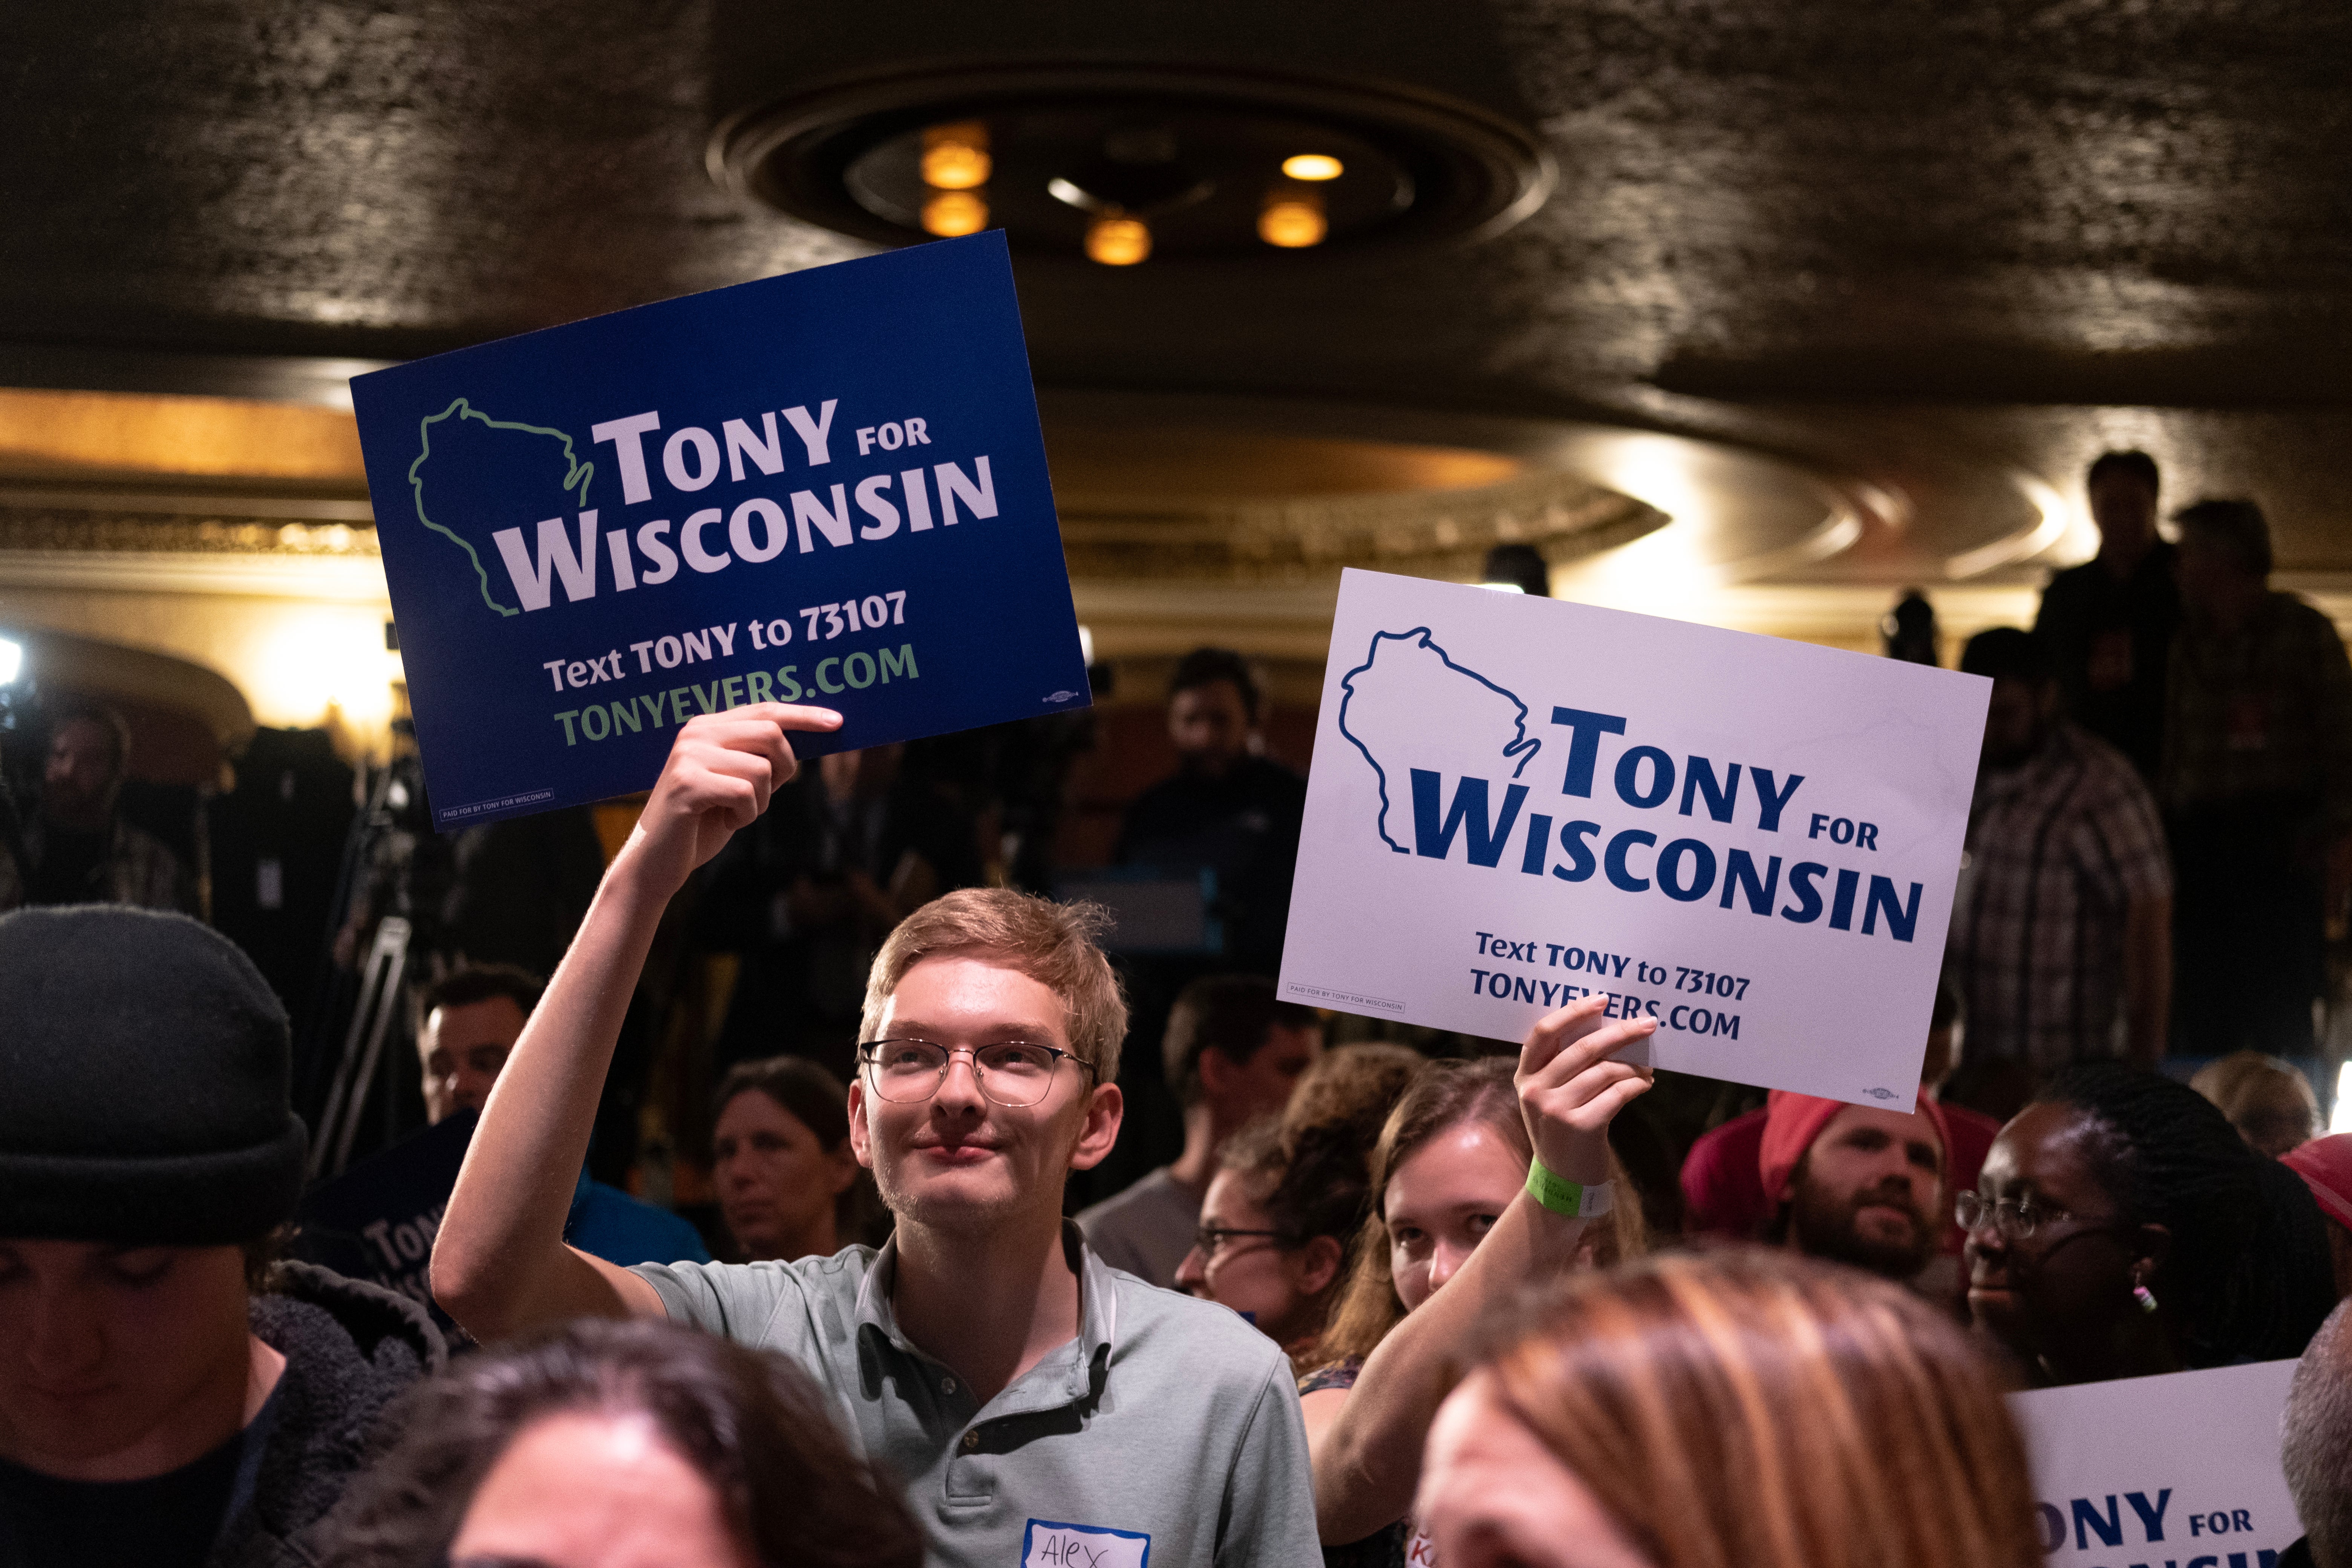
<point>1293,222</point>
<point>955,156</point>
<point>1117,241</point>
<point>953,213</point>
<point>1186,152</point>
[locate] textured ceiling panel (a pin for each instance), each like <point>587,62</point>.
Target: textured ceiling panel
<point>1870,234</point>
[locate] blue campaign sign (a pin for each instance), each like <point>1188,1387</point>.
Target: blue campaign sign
<point>827,487</point>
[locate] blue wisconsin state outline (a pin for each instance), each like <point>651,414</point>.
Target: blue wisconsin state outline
<point>575,473</point>
<point>1525,743</point>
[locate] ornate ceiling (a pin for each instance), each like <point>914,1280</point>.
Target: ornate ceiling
<point>1875,280</point>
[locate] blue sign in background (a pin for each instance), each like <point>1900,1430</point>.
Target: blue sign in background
<point>844,502</point>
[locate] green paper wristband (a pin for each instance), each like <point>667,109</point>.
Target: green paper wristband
<point>1568,1199</point>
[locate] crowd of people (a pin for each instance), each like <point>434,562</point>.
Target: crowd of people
<point>1382,1300</point>
<point>2160,846</point>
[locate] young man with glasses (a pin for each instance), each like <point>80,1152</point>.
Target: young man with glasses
<point>1039,1408</point>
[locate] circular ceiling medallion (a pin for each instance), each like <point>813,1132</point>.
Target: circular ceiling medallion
<point>1124,164</point>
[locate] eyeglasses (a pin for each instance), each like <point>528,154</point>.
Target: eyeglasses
<point>2013,1219</point>
<point>1210,1239</point>
<point>1010,1073</point>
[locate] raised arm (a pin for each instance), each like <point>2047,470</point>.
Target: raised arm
<point>500,1264</point>
<point>1368,1458</point>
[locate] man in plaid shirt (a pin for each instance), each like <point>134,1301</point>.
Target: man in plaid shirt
<point>2257,789</point>
<point>2061,943</point>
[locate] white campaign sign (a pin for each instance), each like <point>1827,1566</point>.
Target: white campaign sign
<point>1517,802</point>
<point>2162,1472</point>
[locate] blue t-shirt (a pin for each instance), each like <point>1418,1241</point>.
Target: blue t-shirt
<point>608,1223</point>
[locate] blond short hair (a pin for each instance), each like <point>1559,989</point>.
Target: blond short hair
<point>1054,944</point>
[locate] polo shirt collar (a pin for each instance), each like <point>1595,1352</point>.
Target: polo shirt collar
<point>1098,1308</point>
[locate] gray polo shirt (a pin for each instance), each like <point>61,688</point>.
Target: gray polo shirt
<point>1169,1426</point>
<point>1146,1230</point>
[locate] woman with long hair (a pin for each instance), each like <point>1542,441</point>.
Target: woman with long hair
<point>2121,1228</point>
<point>1414,1240</point>
<point>1735,1409</point>
<point>604,1437</point>
<point>1489,1176</point>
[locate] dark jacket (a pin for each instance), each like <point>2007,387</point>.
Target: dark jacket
<point>349,1348</point>
<point>1244,826</point>
<point>138,868</point>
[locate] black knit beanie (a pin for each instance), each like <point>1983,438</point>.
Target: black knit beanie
<point>144,1068</point>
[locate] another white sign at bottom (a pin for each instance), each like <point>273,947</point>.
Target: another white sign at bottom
<point>2162,1472</point>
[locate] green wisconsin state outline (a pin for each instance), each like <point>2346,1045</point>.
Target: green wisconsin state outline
<point>575,473</point>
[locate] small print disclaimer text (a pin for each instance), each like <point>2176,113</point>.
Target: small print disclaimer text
<point>1343,998</point>
<point>529,798</point>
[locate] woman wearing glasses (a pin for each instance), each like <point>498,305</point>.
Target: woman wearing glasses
<point>1276,1226</point>
<point>2121,1228</point>
<point>1280,1220</point>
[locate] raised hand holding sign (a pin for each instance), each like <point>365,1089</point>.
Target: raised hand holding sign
<point>722,770</point>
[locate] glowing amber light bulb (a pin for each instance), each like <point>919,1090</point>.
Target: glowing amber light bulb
<point>955,157</point>
<point>1292,223</point>
<point>953,213</point>
<point>1313,166</point>
<point>1118,241</point>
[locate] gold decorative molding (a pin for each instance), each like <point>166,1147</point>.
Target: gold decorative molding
<point>134,540</point>
<point>241,437</point>
<point>119,518</point>
<point>321,578</point>
<point>82,533</point>
<point>1303,540</point>
<point>1292,541</point>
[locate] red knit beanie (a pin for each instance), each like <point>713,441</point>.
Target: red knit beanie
<point>1792,1121</point>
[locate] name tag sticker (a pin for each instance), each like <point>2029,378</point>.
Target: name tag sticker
<point>1049,1544</point>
